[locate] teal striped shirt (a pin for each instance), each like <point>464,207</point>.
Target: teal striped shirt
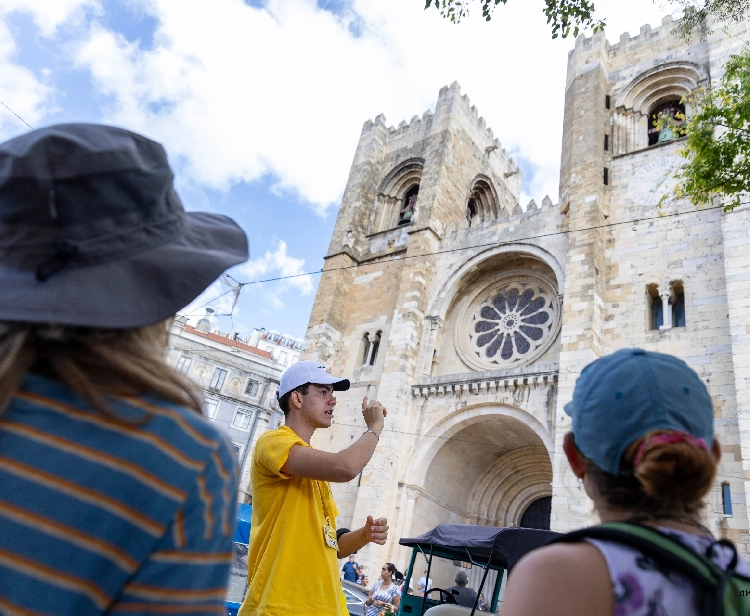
<point>98,515</point>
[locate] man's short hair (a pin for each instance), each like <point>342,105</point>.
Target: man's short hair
<point>461,578</point>
<point>284,400</point>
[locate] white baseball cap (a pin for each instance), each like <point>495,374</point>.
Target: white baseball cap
<point>309,372</point>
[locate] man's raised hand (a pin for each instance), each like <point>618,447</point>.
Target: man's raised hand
<point>374,415</point>
<point>377,530</point>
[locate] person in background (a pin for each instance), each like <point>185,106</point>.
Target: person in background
<point>424,584</point>
<point>116,495</point>
<point>384,592</point>
<point>350,569</point>
<point>293,507</point>
<point>483,606</point>
<point>643,447</point>
<point>464,596</point>
<point>365,582</point>
<point>360,574</point>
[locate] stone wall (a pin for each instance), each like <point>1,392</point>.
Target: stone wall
<point>476,438</point>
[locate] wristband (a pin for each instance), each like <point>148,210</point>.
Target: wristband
<point>373,432</point>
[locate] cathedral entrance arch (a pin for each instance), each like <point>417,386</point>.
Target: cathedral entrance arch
<point>482,465</point>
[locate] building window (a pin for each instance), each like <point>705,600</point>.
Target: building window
<point>209,407</point>
<point>408,206</point>
<point>471,210</point>
<point>251,389</point>
<point>726,499</point>
<point>283,357</point>
<point>374,348</point>
<point>183,364</point>
<point>369,348</point>
<point>656,307</point>
<point>242,419</point>
<point>269,349</point>
<point>218,381</point>
<point>237,450</point>
<point>608,101</point>
<point>606,176</point>
<point>606,143</point>
<point>678,304</point>
<point>671,109</point>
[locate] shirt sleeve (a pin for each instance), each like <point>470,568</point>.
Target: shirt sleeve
<point>272,451</point>
<point>187,571</point>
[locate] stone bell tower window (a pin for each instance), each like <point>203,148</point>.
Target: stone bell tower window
<point>655,307</point>
<point>677,300</point>
<point>408,205</point>
<point>670,108</point>
<point>369,348</point>
<point>471,210</point>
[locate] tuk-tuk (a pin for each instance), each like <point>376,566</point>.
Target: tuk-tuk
<point>450,547</point>
<point>237,586</point>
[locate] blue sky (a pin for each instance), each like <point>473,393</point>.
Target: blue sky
<point>260,102</point>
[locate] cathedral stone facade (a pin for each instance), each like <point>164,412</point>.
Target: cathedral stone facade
<point>470,317</point>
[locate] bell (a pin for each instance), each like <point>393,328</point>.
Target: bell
<point>666,134</point>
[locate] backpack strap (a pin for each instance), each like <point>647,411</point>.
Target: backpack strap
<point>652,543</point>
<point>664,548</point>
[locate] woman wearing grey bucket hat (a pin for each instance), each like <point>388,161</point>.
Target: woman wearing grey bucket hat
<point>643,450</point>
<point>115,494</point>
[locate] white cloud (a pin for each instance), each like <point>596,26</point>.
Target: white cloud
<point>25,94</point>
<point>48,15</point>
<point>238,92</point>
<point>268,297</point>
<point>275,263</point>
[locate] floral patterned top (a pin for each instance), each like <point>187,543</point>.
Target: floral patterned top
<point>382,594</point>
<point>643,587</point>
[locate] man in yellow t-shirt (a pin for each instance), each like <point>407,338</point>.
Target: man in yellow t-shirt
<point>294,551</point>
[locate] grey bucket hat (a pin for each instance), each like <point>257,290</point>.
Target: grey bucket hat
<point>93,234</point>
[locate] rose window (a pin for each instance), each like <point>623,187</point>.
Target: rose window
<point>511,323</point>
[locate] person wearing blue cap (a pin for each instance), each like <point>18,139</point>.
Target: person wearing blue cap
<point>643,449</point>
<point>294,513</point>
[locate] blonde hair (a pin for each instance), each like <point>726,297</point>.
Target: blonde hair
<point>669,477</point>
<point>94,363</point>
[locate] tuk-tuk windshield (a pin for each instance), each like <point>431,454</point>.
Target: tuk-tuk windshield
<point>443,573</point>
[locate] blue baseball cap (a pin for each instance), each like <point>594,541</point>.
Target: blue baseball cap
<point>309,371</point>
<point>620,397</point>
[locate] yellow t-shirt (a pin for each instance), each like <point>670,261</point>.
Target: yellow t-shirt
<point>291,571</point>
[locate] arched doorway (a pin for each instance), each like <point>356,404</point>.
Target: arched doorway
<point>485,470</point>
<point>481,466</point>
<point>537,514</point>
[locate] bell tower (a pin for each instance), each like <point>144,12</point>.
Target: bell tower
<point>410,188</point>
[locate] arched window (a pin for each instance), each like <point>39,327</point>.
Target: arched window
<point>408,205</point>
<point>677,300</point>
<point>482,201</point>
<point>655,306</point>
<point>396,191</point>
<point>654,91</point>
<point>471,210</point>
<point>364,349</point>
<point>670,108</point>
<point>374,348</point>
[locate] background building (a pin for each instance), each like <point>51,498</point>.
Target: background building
<point>239,382</point>
<point>282,347</point>
<point>470,318</point>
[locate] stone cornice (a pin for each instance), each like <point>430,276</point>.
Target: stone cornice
<point>538,375</point>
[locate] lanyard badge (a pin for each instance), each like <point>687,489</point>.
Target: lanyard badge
<point>329,533</point>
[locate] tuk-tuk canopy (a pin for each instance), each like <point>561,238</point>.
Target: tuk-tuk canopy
<point>507,545</point>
